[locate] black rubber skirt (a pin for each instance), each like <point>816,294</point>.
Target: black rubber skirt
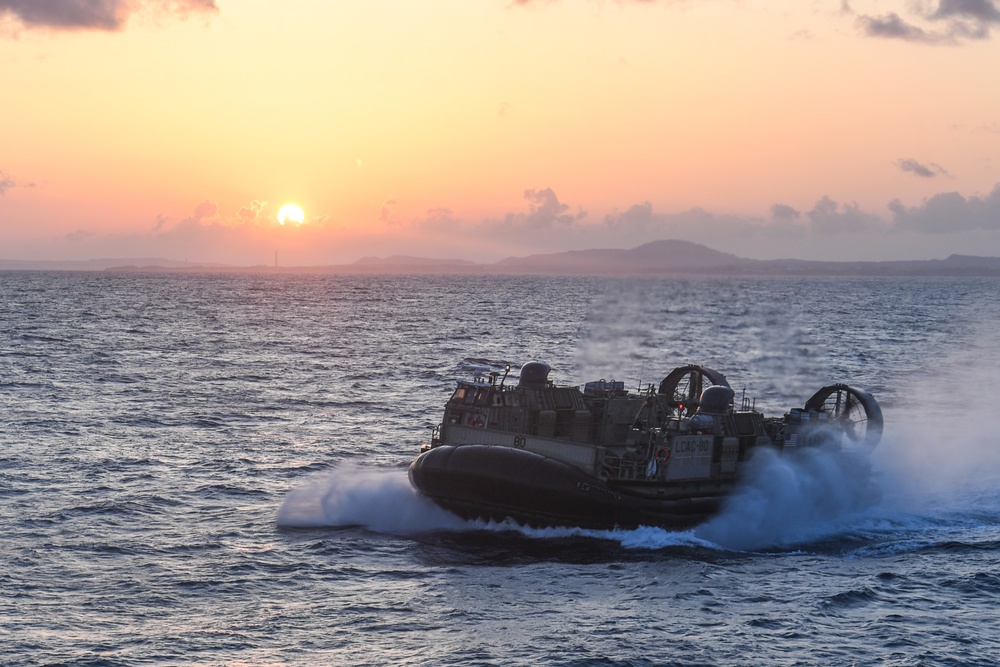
<point>495,483</point>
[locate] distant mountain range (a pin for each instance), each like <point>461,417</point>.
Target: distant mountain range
<point>97,264</point>
<point>657,258</point>
<point>683,257</point>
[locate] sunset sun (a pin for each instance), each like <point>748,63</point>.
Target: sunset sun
<point>291,213</point>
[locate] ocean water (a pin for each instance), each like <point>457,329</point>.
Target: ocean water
<point>211,470</point>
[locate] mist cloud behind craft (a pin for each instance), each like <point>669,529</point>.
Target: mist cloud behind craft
<point>845,130</point>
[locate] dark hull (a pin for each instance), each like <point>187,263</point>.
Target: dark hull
<point>496,483</point>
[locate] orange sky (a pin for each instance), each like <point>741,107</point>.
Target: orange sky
<point>481,129</point>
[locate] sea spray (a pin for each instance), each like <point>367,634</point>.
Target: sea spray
<point>941,456</point>
<point>943,447</point>
<point>380,500</point>
<point>792,498</point>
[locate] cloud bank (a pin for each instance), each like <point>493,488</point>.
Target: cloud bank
<point>94,14</point>
<point>950,212</point>
<point>828,230</point>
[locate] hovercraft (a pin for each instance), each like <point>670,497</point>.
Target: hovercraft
<point>603,457</point>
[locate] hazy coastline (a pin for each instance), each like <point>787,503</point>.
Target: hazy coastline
<point>657,258</point>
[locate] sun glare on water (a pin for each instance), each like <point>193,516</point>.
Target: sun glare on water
<point>291,213</point>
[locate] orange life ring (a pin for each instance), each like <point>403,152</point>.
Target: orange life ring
<point>662,454</point>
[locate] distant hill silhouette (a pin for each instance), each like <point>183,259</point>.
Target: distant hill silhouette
<point>657,258</point>
<point>674,257</point>
<point>96,264</point>
<point>671,257</point>
<point>653,257</point>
